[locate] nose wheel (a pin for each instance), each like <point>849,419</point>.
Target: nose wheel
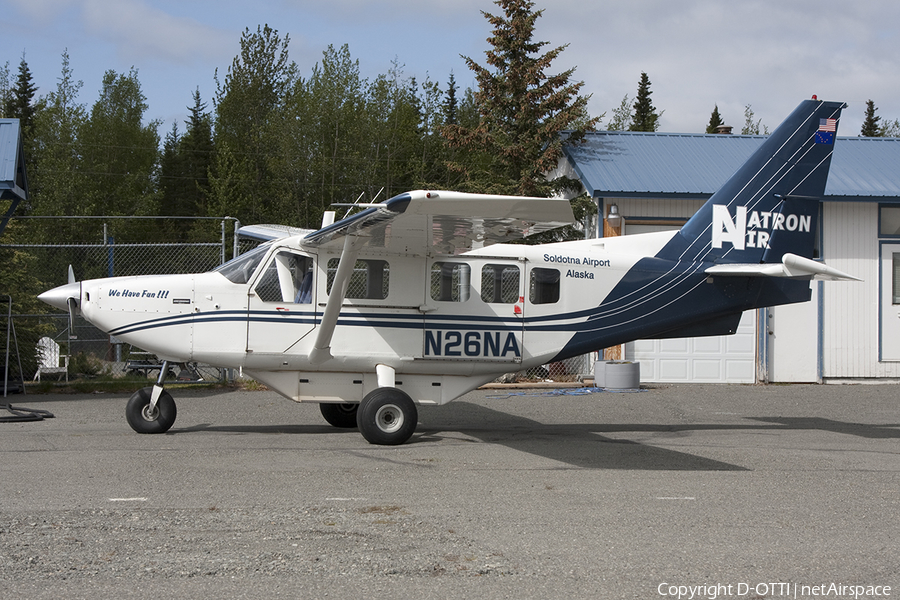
<point>387,417</point>
<point>152,409</point>
<point>147,417</point>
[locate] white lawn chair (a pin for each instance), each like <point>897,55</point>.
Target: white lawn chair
<point>49,359</point>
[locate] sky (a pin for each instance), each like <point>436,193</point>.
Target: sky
<point>770,54</point>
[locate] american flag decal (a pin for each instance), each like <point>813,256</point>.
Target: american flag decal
<point>828,125</point>
<point>826,132</point>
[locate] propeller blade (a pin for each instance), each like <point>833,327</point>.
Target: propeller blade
<point>72,305</point>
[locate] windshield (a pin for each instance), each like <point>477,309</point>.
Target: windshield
<point>241,268</point>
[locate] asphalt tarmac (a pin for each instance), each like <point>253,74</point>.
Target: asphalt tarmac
<point>683,491</point>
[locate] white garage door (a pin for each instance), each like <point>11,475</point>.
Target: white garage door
<point>717,359</point>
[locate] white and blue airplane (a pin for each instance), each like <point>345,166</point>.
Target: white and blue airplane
<point>418,300</point>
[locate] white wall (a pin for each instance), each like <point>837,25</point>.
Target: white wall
<point>850,323</point>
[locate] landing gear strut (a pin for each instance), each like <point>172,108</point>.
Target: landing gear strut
<point>152,409</point>
<point>387,416</point>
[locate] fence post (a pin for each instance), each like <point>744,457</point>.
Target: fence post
<point>222,249</point>
<point>237,225</point>
<point>110,259</point>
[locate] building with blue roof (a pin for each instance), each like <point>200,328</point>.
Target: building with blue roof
<point>849,331</point>
<point>13,179</point>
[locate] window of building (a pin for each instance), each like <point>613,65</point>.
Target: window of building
<point>500,284</point>
<point>450,281</point>
<point>370,279</point>
<point>896,279</point>
<point>889,220</point>
<point>544,286</point>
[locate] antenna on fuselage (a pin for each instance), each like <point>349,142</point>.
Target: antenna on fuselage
<point>357,204</point>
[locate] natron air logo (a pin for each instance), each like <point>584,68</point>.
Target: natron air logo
<point>754,229</point>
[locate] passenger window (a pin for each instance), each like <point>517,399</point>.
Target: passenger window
<point>370,279</point>
<point>450,282</point>
<point>544,287</point>
<point>287,278</point>
<point>500,284</point>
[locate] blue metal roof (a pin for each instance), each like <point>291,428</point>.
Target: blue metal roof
<point>672,165</point>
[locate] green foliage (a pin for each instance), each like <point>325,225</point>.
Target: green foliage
<point>715,120</point>
<point>645,117</point>
<point>870,127</point>
<point>18,101</point>
<point>55,184</point>
<point>752,127</point>
<point>622,115</point>
<point>246,183</point>
<point>890,129</point>
<point>185,164</point>
<point>522,109</point>
<point>86,365</point>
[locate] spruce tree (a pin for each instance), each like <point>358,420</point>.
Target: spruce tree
<point>20,105</point>
<point>870,127</point>
<point>451,104</point>
<point>645,117</point>
<point>522,110</point>
<point>715,120</point>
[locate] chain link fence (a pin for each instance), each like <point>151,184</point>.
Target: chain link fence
<point>95,247</point>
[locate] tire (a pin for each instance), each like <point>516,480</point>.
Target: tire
<point>340,415</point>
<point>387,417</point>
<point>139,416</point>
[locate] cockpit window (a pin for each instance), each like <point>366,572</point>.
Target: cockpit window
<point>287,278</point>
<point>241,268</point>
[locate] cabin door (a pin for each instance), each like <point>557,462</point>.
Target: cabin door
<point>474,310</point>
<point>281,304</point>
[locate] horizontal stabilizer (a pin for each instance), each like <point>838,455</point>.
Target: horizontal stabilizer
<point>791,266</point>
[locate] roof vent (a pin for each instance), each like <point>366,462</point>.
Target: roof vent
<point>724,129</point>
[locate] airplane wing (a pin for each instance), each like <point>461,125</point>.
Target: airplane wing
<point>265,233</point>
<point>791,266</point>
<point>419,223</point>
<point>444,222</point>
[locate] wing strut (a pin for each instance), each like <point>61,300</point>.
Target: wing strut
<point>321,351</point>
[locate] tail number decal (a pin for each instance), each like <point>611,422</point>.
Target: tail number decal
<point>472,344</point>
<point>760,224</point>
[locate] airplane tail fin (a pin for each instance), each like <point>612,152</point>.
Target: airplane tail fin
<point>769,207</point>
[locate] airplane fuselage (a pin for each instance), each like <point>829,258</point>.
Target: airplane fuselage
<point>445,324</point>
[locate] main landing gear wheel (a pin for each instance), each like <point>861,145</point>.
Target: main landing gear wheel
<point>340,415</point>
<point>146,419</point>
<point>387,417</point>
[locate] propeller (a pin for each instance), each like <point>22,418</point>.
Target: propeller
<point>65,297</point>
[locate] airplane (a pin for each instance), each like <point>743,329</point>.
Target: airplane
<point>421,298</point>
